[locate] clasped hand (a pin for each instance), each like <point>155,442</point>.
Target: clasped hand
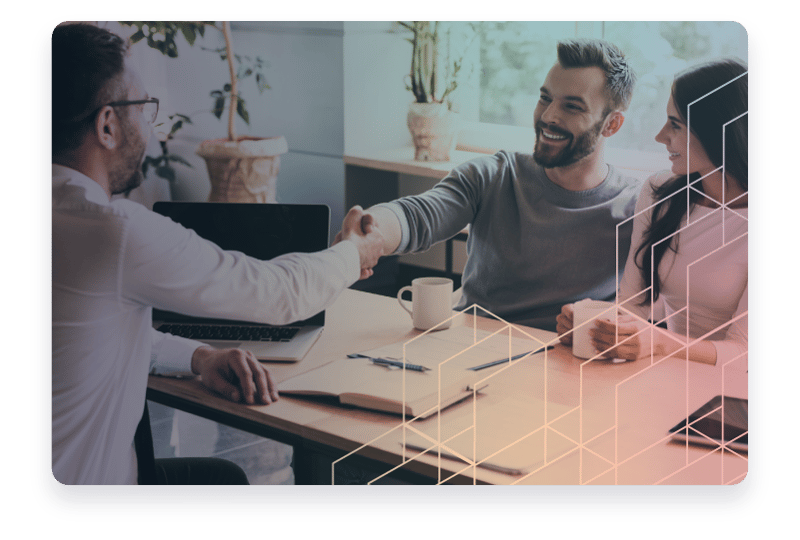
<point>628,338</point>
<point>359,227</point>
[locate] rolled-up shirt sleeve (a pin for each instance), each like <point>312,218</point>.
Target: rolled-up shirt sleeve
<point>401,218</point>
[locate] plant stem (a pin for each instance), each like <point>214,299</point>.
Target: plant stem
<point>226,31</point>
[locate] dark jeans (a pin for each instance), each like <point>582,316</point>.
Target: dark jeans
<point>198,471</point>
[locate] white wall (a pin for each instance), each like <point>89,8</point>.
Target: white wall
<point>305,104</point>
<point>376,59</point>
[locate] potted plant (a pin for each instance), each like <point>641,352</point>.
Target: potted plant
<point>433,78</point>
<point>240,168</point>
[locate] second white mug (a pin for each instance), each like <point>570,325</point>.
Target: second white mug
<point>431,302</point>
<point>586,311</point>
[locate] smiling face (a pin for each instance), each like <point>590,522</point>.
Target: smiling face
<point>674,136</point>
<point>570,115</point>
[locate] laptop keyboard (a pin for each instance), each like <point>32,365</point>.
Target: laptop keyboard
<point>230,332</point>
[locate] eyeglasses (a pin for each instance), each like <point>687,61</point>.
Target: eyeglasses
<point>150,107</point>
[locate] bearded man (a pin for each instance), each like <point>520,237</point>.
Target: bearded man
<point>114,261</point>
<point>543,226</point>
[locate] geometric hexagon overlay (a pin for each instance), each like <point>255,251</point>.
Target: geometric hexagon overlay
<point>731,236</point>
<point>555,432</point>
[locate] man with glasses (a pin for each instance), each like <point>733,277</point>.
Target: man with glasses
<point>113,261</point>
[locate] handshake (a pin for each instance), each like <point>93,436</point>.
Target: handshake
<point>360,228</point>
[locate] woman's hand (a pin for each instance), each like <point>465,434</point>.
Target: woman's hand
<point>630,338</point>
<point>564,324</point>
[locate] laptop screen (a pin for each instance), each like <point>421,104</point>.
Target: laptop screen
<point>260,230</point>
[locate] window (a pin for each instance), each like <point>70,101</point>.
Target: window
<point>658,51</point>
<point>513,59</point>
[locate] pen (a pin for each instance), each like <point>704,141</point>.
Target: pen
<point>397,363</point>
<point>388,362</point>
<point>502,360</point>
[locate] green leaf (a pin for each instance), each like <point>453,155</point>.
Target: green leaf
<point>175,127</point>
<point>219,106</point>
<point>178,159</point>
<point>145,165</point>
<point>188,31</point>
<point>150,161</point>
<point>165,171</point>
<point>242,111</point>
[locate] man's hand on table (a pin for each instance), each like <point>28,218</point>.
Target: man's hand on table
<point>234,373</point>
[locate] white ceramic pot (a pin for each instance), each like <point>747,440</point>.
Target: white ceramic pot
<point>245,170</point>
<point>434,129</point>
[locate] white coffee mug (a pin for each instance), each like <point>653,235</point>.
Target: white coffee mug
<point>432,301</point>
<point>586,311</point>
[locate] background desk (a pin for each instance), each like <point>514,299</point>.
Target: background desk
<point>617,420</point>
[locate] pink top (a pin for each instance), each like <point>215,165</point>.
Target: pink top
<point>704,284</point>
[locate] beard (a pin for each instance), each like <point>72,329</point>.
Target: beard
<point>577,149</point>
<point>127,172</point>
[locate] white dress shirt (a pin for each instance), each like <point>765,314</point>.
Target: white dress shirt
<point>112,263</point>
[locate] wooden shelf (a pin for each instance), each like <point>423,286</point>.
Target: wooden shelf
<point>401,160</point>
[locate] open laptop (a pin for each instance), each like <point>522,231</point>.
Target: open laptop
<point>263,231</point>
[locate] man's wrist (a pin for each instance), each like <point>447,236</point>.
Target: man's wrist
<point>199,357</point>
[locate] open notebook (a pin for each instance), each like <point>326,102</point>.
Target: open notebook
<point>448,354</point>
<point>360,383</point>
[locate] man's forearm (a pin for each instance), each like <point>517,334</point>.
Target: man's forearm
<point>386,221</point>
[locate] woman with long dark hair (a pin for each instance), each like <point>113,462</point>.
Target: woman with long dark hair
<point>690,225</point>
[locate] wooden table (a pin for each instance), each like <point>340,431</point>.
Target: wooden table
<point>604,423</point>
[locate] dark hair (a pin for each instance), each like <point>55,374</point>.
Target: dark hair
<point>620,77</point>
<point>85,59</point>
<point>710,96</point>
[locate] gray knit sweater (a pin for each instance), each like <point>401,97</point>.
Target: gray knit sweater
<point>533,245</point>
